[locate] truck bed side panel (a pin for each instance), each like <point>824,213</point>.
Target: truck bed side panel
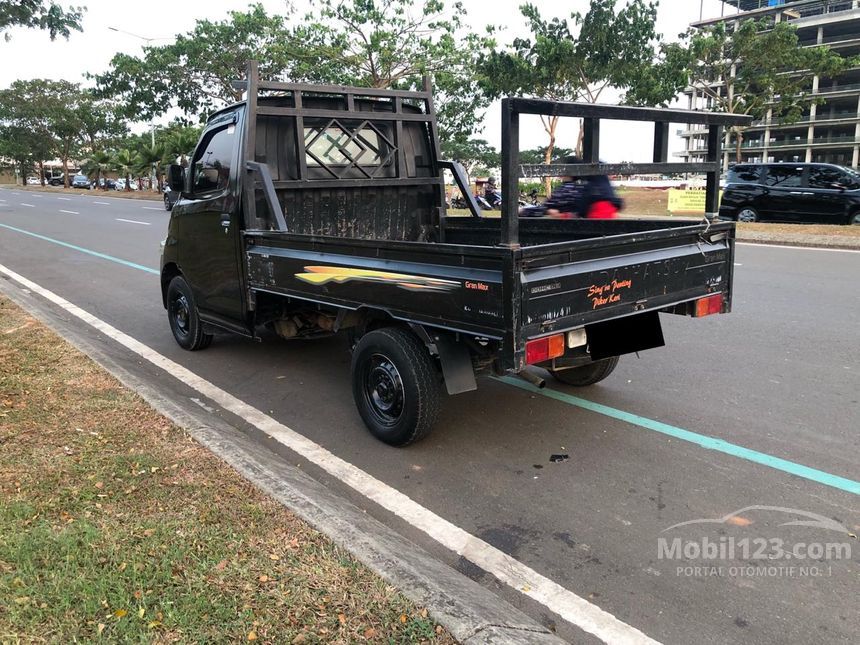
<point>443,290</point>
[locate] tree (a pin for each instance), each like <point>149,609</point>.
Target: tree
<point>393,44</point>
<point>195,72</point>
<point>97,166</point>
<point>475,155</point>
<point>125,163</point>
<point>179,142</point>
<point>764,69</point>
<point>25,113</point>
<point>25,148</point>
<point>604,48</point>
<point>38,14</point>
<point>150,158</point>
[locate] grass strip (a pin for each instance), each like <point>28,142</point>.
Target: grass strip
<point>115,525</point>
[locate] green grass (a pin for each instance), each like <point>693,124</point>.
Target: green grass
<point>116,526</point>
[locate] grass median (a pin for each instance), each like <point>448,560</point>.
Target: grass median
<point>115,525</point>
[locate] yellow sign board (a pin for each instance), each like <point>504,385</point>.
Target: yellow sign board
<point>687,201</point>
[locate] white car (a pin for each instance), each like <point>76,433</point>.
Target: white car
<point>33,181</point>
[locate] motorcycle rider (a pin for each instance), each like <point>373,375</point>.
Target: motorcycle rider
<point>590,197</point>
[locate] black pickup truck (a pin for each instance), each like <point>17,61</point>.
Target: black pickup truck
<point>309,210</point>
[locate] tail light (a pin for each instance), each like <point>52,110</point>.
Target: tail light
<point>709,305</point>
<point>543,349</point>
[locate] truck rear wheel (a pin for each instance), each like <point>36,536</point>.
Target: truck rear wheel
<point>587,374</point>
<point>395,385</point>
<point>184,320</point>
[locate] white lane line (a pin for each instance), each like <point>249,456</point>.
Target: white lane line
<point>132,221</point>
<point>152,208</point>
<point>565,603</point>
<point>65,199</point>
<point>70,212</point>
<point>27,205</point>
<point>103,203</point>
<point>798,248</point>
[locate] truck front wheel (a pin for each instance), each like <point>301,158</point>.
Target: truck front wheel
<point>395,385</point>
<point>587,374</point>
<point>184,320</point>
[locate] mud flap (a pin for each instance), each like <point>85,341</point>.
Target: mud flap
<point>456,365</point>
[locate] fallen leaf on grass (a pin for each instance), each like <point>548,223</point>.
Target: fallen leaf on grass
<point>221,565</point>
<point>263,578</point>
<point>119,613</point>
<point>370,633</point>
<point>273,556</point>
<point>141,612</point>
<point>252,636</point>
<point>99,485</point>
<point>403,618</point>
<point>101,628</point>
<point>341,618</point>
<point>148,532</point>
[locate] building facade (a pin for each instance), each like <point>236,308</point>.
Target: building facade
<point>828,132</point>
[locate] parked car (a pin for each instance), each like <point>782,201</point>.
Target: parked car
<point>56,181</point>
<point>170,197</point>
<point>815,193</point>
<point>80,181</point>
<point>33,181</point>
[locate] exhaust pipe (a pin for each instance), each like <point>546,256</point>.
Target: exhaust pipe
<point>535,380</point>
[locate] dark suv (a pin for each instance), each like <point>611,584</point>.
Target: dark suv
<point>817,193</point>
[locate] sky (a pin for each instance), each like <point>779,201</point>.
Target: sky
<point>111,27</point>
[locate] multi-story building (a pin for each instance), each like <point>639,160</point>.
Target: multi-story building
<point>828,132</point>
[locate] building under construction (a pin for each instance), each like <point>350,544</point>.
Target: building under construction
<point>828,132</point>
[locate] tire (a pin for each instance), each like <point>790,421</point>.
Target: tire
<point>395,385</point>
<point>854,218</point>
<point>748,214</point>
<point>587,374</point>
<point>167,205</point>
<point>183,317</point>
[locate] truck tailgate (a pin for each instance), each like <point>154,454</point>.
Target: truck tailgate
<point>570,284</point>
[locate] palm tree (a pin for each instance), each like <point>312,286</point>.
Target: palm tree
<point>97,166</point>
<point>150,158</point>
<point>181,144</point>
<point>124,163</point>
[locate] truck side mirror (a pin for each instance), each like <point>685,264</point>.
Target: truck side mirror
<point>176,177</point>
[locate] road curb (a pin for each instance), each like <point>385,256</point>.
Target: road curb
<point>470,612</point>
<point>84,193</point>
<point>798,243</point>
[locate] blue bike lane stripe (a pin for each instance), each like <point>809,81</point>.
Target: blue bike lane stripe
<point>103,256</point>
<point>711,443</point>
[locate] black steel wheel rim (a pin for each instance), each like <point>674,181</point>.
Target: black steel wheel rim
<point>856,219</point>
<point>180,314</point>
<point>383,390</point>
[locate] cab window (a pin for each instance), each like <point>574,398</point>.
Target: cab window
<point>211,166</point>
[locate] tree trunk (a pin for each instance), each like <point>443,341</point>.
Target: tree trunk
<point>65,170</point>
<point>547,158</point>
<point>128,183</point>
<point>41,173</point>
<point>739,139</point>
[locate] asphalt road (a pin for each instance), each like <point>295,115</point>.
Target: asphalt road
<point>777,381</point>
